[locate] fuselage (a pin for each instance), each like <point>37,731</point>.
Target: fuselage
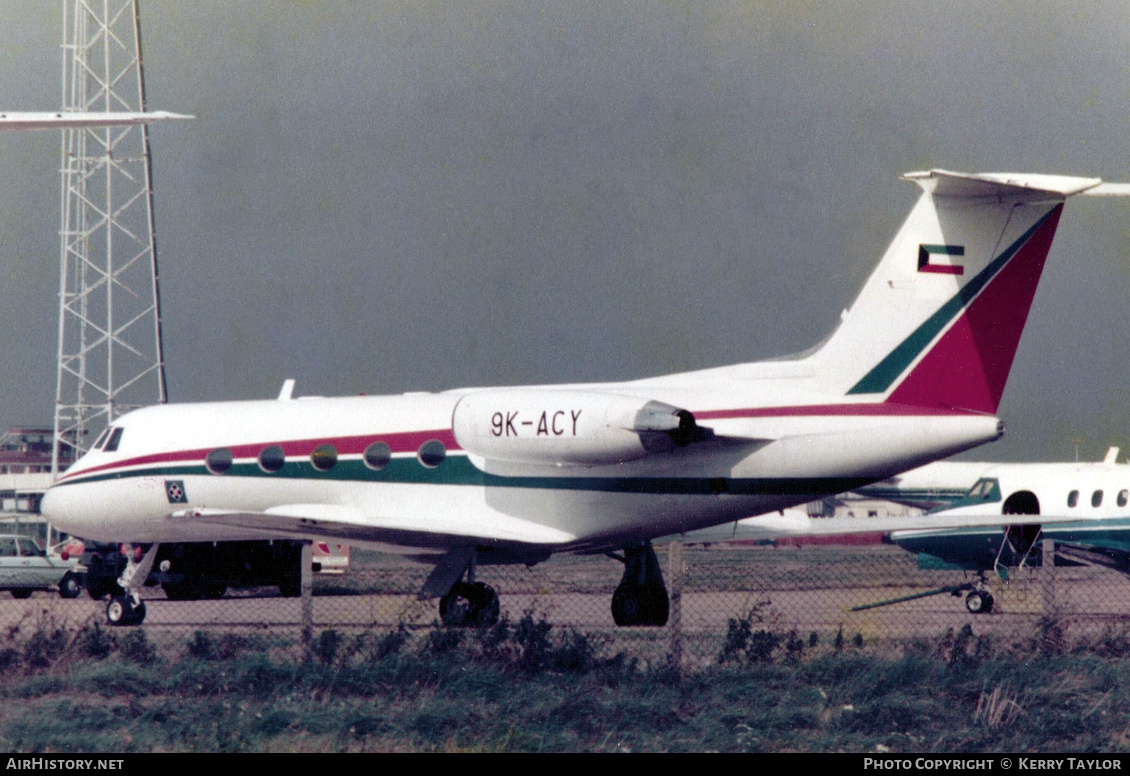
<point>1084,504</point>
<point>400,470</point>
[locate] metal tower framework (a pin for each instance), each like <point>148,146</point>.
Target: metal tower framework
<point>110,357</point>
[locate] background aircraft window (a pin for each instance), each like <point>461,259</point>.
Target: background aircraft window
<point>218,461</point>
<point>377,455</point>
<point>324,457</point>
<point>1123,497</point>
<point>113,442</point>
<point>431,453</point>
<point>1073,498</point>
<point>1097,498</point>
<point>272,458</point>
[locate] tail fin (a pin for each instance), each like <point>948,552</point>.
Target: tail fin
<point>939,321</point>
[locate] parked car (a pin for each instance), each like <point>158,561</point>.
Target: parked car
<point>25,567</point>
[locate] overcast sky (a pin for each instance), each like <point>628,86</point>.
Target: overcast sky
<point>389,196</point>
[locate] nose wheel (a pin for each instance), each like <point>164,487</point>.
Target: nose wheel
<point>125,609</point>
<point>979,602</point>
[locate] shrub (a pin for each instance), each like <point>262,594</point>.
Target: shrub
<point>326,646</point>
<point>135,647</point>
<point>201,646</point>
<point>95,641</point>
<point>47,642</point>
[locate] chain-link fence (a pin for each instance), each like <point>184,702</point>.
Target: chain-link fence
<point>722,598</point>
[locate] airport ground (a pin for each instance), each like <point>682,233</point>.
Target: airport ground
<point>766,657</point>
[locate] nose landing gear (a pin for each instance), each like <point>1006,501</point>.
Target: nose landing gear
<point>125,606</point>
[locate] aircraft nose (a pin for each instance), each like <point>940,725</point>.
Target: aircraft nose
<point>58,508</point>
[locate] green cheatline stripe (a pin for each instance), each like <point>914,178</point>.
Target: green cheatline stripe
<point>879,379</point>
<point>458,470</point>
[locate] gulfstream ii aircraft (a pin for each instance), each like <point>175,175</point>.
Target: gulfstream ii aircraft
<point>467,478</point>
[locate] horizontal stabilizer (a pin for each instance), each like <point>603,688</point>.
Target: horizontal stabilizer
<point>794,523</point>
<point>75,119</point>
<point>945,183</point>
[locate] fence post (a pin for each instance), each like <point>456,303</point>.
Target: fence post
<point>676,569</point>
<point>307,588</point>
<point>1047,574</point>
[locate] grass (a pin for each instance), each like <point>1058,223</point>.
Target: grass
<point>528,686</point>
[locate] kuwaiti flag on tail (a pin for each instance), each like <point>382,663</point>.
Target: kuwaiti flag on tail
<point>954,290</point>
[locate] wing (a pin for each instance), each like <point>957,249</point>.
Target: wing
<point>352,526</point>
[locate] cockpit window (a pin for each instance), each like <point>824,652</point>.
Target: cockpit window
<point>101,438</point>
<point>987,489</point>
<point>113,442</point>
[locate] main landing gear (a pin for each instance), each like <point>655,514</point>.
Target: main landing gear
<point>469,604</point>
<point>641,597</point>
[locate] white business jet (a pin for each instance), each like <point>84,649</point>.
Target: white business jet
<point>479,476</point>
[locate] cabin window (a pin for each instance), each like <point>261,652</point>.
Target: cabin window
<point>1073,498</point>
<point>324,457</point>
<point>219,461</point>
<point>377,456</point>
<point>113,442</point>
<point>271,458</point>
<point>1123,497</point>
<point>1097,498</point>
<point>431,453</point>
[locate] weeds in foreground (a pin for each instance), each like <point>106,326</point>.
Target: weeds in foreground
<point>997,708</point>
<point>525,685</point>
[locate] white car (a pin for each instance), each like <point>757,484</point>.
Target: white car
<point>25,567</point>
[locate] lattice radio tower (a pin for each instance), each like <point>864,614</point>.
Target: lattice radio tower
<point>110,357</point>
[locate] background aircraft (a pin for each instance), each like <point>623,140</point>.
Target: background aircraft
<point>1083,507</point>
<point>914,372</point>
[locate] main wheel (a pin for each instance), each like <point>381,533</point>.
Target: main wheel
<point>21,592</point>
<point>70,585</point>
<point>640,605</point>
<point>485,607</point>
<point>455,606</point>
<point>626,607</point>
<point>469,605</point>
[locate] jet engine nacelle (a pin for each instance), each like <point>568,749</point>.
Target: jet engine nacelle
<point>568,428</point>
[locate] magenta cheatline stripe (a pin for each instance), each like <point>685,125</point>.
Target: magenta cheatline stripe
<point>403,442</point>
<point>879,409</point>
